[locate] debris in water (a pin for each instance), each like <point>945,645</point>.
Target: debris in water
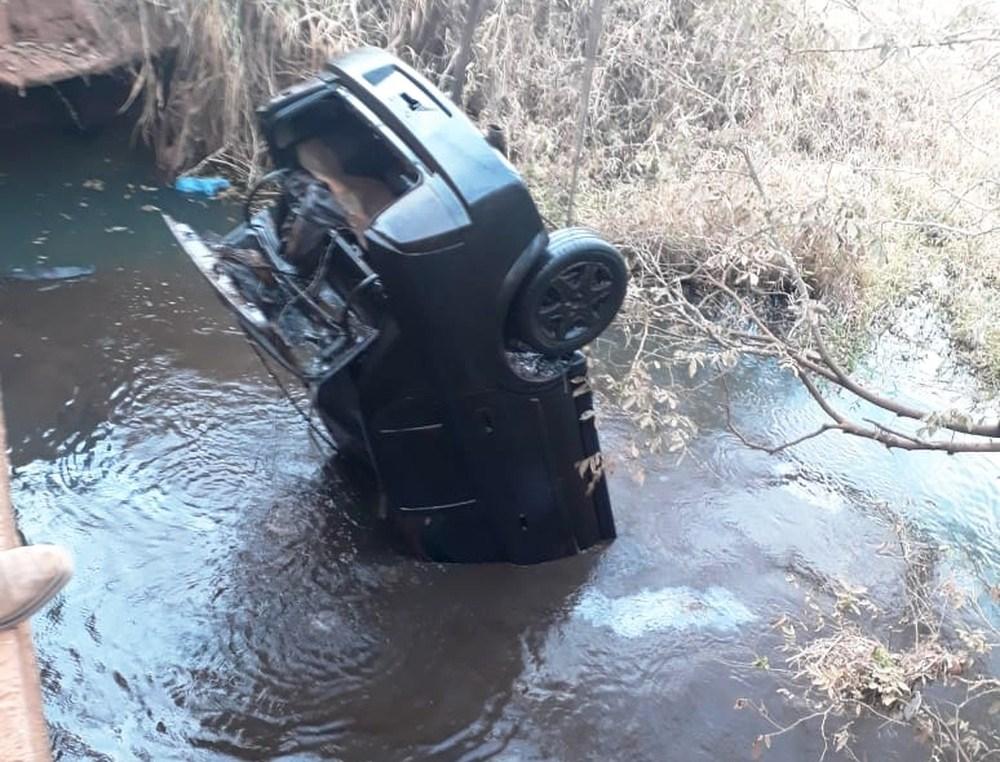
<point>149,208</point>
<point>94,184</point>
<point>201,186</point>
<point>116,229</point>
<point>66,272</point>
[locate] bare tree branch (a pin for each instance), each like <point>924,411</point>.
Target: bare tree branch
<point>718,298</point>
<point>769,449</point>
<point>889,46</point>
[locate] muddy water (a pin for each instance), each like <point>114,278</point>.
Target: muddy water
<point>233,599</point>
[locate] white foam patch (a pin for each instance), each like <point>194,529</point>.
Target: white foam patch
<point>672,608</point>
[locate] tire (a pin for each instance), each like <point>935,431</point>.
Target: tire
<point>574,294</point>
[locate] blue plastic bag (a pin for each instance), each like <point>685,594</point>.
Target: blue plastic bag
<point>201,186</point>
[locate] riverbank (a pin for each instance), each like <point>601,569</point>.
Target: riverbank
<point>50,42</point>
<point>66,63</point>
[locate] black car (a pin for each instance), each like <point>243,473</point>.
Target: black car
<point>403,273</point>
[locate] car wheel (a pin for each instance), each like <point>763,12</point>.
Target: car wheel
<point>573,295</point>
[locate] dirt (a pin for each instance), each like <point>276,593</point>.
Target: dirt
<point>46,42</point>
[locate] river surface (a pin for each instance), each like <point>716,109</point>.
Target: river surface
<point>234,600</point>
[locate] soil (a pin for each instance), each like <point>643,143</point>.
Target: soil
<point>46,42</point>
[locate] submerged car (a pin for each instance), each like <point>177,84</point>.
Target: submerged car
<point>403,274</point>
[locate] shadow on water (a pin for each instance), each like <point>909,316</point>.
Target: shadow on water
<point>233,599</point>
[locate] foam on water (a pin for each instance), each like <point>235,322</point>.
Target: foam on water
<point>672,608</point>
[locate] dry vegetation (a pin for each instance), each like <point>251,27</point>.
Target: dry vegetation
<point>919,666</point>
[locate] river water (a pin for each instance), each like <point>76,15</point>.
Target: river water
<point>233,599</point>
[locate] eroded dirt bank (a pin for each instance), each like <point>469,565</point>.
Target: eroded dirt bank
<point>61,63</point>
<point>46,42</point>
